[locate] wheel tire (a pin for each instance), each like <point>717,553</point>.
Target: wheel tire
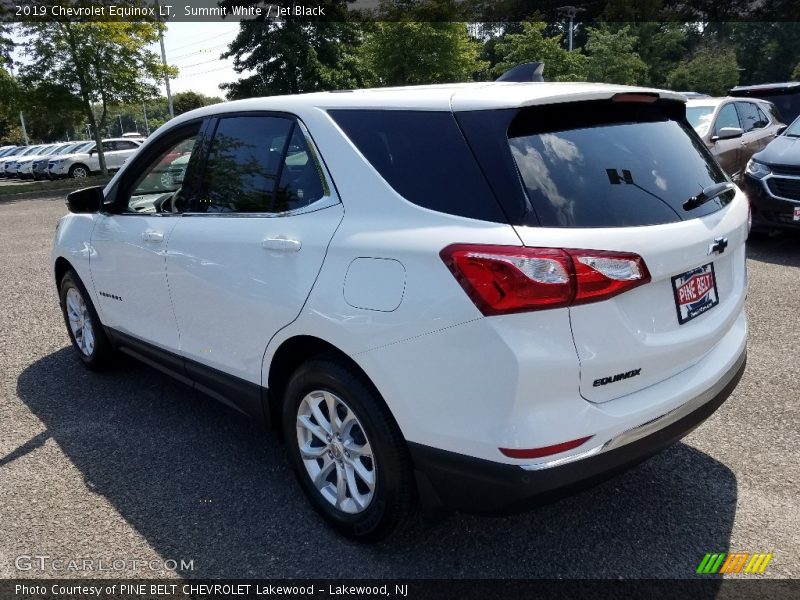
<point>95,350</point>
<point>393,495</point>
<point>79,171</point>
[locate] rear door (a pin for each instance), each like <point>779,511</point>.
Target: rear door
<point>600,176</point>
<point>754,124</point>
<point>246,252</point>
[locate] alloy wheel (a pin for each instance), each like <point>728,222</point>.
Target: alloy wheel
<point>80,321</point>
<point>336,452</point>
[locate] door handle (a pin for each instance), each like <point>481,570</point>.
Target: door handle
<point>152,236</point>
<point>281,244</point>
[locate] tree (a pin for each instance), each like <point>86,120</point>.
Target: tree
<point>712,70</point>
<point>185,101</point>
<point>611,58</point>
<point>796,73</point>
<point>443,52</point>
<point>295,55</point>
<point>533,45</point>
<point>102,62</point>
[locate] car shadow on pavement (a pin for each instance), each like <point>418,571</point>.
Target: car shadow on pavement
<point>201,483</point>
<point>780,248</point>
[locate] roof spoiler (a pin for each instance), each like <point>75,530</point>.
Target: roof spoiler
<point>531,71</point>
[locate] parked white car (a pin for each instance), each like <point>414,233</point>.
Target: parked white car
<point>476,295</point>
<point>86,162</point>
<point>24,166</point>
<point>8,163</point>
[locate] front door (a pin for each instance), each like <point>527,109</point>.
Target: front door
<point>244,256</point>
<point>728,152</point>
<point>129,244</point>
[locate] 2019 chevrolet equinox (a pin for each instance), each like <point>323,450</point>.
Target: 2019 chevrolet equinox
<point>475,295</point>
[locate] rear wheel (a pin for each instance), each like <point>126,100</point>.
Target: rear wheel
<point>347,452</point>
<point>83,324</point>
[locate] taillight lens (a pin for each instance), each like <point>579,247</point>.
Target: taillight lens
<point>508,279</point>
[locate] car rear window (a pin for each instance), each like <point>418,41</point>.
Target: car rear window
<point>424,157</point>
<point>598,164</point>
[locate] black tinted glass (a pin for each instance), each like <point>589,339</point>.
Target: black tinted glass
<point>616,166</point>
<point>301,180</point>
<point>243,164</point>
<point>748,115</point>
<point>424,157</point>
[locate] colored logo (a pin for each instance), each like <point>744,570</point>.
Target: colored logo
<point>735,562</point>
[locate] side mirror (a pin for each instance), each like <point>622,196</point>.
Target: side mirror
<point>781,129</point>
<point>728,133</point>
<point>87,200</point>
<point>92,151</point>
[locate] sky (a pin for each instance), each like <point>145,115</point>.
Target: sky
<point>195,48</point>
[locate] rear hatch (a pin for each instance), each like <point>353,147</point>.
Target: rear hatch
<point>614,175</point>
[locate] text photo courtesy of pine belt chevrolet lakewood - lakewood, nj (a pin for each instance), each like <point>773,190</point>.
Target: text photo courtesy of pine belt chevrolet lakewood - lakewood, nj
<point>398,298</point>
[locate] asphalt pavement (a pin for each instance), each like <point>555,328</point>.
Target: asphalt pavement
<point>133,467</point>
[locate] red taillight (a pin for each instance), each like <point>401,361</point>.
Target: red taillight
<point>545,451</point>
<point>508,279</point>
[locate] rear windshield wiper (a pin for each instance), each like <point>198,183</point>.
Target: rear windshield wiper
<point>708,193</point>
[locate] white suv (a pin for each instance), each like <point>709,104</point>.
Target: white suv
<point>85,162</point>
<point>475,296</point>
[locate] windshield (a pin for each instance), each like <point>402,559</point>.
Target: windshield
<point>794,129</point>
<point>70,148</point>
<point>31,150</point>
<point>699,117</point>
<point>82,148</point>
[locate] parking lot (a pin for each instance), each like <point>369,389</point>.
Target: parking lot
<point>132,465</point>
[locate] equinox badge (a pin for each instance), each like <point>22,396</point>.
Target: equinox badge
<point>617,377</point>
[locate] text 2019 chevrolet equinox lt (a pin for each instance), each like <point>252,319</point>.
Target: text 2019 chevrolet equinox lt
<point>473,296</point>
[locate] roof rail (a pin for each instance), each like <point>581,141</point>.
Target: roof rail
<point>531,71</point>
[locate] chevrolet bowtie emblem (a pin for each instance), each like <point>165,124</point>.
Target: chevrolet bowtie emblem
<point>718,246</point>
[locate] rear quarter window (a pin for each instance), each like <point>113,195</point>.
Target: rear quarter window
<point>424,157</point>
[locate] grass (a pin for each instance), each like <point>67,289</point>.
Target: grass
<point>57,184</point>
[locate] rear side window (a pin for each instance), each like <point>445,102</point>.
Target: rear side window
<point>424,157</point>
<point>750,117</point>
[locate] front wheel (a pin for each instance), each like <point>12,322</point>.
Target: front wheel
<point>79,172</point>
<point>346,450</point>
<point>83,325</point>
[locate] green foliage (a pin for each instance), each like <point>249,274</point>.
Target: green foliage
<point>295,56</point>
<point>712,70</point>
<point>442,53</point>
<point>185,101</point>
<point>766,51</point>
<point>95,62</point>
<point>532,44</point>
<point>611,58</point>
<point>796,73</point>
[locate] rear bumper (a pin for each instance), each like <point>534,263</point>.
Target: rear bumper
<point>455,481</point>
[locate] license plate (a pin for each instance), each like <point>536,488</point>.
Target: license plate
<point>695,292</point>
<point>796,216</point>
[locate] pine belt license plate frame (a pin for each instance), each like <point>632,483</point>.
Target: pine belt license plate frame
<point>695,292</point>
